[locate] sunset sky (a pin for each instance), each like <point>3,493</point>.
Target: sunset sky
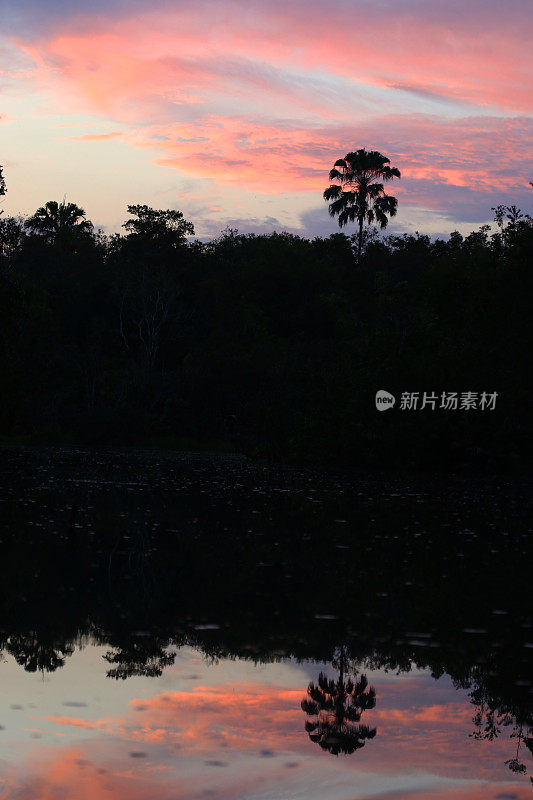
<point>234,111</point>
<point>231,730</point>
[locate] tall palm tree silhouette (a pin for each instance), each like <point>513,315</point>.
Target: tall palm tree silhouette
<point>335,708</point>
<point>360,195</point>
<point>54,219</point>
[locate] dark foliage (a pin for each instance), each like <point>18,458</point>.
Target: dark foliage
<point>272,345</point>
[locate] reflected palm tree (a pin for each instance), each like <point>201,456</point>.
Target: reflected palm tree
<point>335,709</point>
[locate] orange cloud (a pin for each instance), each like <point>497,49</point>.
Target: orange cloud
<point>476,155</point>
<point>176,744</point>
<point>96,137</point>
<point>73,774</point>
<point>246,714</point>
<point>78,723</point>
<point>430,52</point>
<point>267,105</point>
<point>449,714</point>
<point>250,718</point>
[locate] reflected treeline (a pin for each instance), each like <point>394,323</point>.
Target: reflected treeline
<point>144,554</point>
<point>494,718</point>
<point>140,654</point>
<point>37,651</point>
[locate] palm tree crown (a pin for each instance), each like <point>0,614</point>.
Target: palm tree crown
<point>55,218</point>
<point>335,709</point>
<point>359,196</point>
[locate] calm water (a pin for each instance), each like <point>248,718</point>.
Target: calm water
<point>179,626</point>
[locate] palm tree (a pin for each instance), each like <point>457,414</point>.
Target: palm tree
<point>335,708</point>
<point>54,219</point>
<point>360,196</point>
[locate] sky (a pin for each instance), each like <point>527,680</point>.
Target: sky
<point>231,729</point>
<point>234,111</point>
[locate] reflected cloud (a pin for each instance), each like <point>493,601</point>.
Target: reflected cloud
<point>238,740</point>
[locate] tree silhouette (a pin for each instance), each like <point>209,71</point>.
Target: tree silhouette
<point>515,764</point>
<point>11,237</point>
<point>38,653</point>
<point>335,708</point>
<point>2,182</point>
<point>59,219</point>
<point>490,718</point>
<point>139,655</point>
<point>360,195</point>
<point>166,228</point>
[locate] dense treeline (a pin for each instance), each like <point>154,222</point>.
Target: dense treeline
<point>271,344</point>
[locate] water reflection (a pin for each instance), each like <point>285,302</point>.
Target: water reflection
<point>491,719</point>
<point>190,589</point>
<point>335,709</point>
<point>142,654</point>
<point>232,729</point>
<point>37,653</point>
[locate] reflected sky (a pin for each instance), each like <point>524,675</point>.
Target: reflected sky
<point>137,661</point>
<point>229,728</point>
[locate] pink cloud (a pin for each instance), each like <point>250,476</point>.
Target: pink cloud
<point>444,163</point>
<point>249,717</point>
<point>78,723</point>
<point>71,773</point>
<point>135,74</point>
<point>258,730</point>
<point>96,137</point>
<point>270,103</point>
<point>438,50</point>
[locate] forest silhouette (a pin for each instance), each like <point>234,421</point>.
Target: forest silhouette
<point>272,345</point>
